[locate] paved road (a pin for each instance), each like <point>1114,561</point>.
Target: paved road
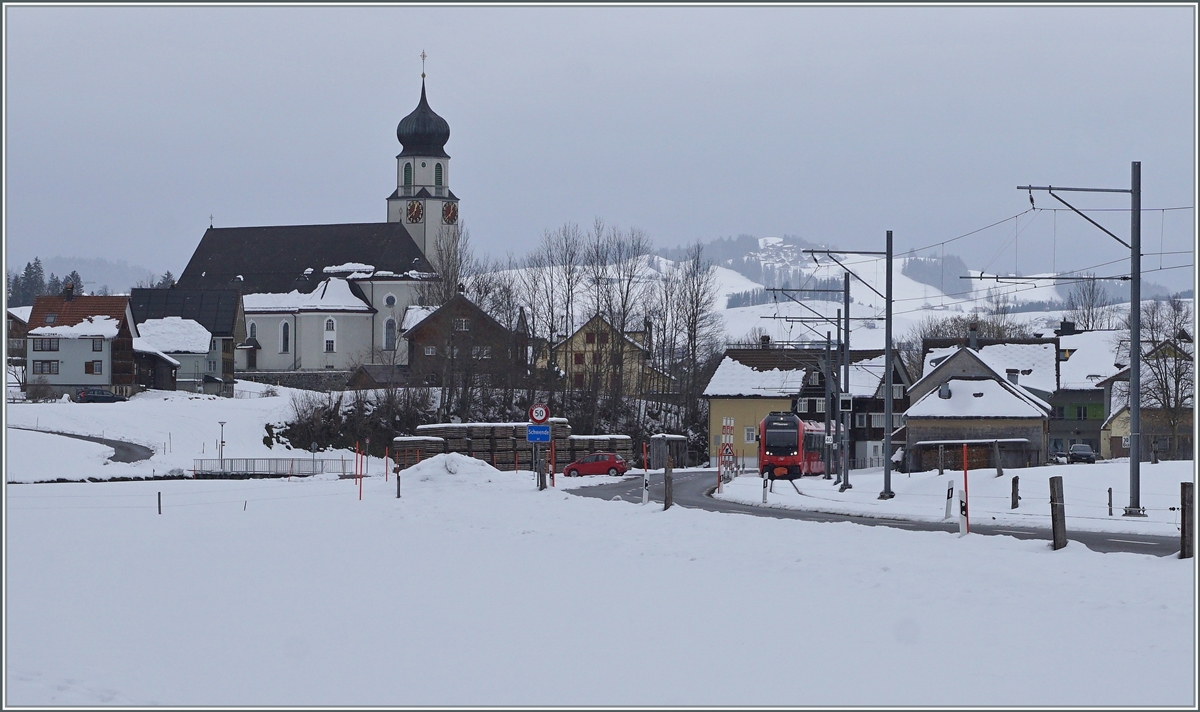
<point>693,489</point>
<point>122,451</point>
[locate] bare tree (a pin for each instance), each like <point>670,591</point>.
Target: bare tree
<point>955,326</point>
<point>1168,366</point>
<point>453,259</point>
<point>1089,305</point>
<point>701,327</point>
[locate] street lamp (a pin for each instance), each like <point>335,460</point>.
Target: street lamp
<point>221,445</point>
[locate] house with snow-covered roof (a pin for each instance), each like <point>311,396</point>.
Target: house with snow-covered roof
<point>218,312</point>
<point>966,402</point>
<point>77,341</point>
<point>186,343</point>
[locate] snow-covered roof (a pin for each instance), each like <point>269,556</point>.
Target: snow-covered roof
<point>332,294</point>
<point>736,379</point>
<point>978,399</point>
<point>174,334</point>
<point>90,327</point>
<point>21,313</point>
<point>140,346</point>
<point>1089,358</point>
<point>349,267</point>
<point>415,315</point>
<point>1035,363</point>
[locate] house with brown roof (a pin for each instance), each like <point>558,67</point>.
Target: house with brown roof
<point>80,341</point>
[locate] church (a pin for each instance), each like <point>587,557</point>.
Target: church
<point>321,300</point>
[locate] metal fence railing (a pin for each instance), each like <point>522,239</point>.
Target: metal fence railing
<point>271,467</point>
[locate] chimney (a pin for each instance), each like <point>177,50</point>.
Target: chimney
<point>973,336</point>
<point>1066,328</point>
<point>68,292</point>
<point>1013,375</point>
<point>944,391</point>
<point>765,341</point>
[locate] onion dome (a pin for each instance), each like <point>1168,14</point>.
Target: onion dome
<point>423,133</point>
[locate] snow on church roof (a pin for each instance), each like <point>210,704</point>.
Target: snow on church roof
<point>976,399</point>
<point>173,334</point>
<point>332,294</point>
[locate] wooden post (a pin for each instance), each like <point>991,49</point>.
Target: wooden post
<point>387,458</point>
<point>668,488</point>
<point>941,459</point>
<point>1185,520</point>
<point>1110,501</point>
<point>1058,517</point>
<point>966,490</point>
<point>1016,498</point>
<point>996,452</point>
<point>160,502</point>
<point>397,485</point>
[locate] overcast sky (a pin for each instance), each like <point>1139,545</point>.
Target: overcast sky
<point>126,127</point>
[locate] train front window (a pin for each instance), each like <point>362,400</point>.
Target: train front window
<point>781,442</point>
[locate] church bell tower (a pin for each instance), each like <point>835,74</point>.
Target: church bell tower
<point>423,200</point>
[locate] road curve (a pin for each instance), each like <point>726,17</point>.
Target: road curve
<point>694,489</point>
<point>122,451</point>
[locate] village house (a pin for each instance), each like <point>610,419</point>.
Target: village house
<point>186,343</point>
<point>80,341</point>
<point>598,355</point>
<point>1157,438</point>
<point>460,345</point>
<point>17,321</point>
<point>216,311</point>
<point>965,401</point>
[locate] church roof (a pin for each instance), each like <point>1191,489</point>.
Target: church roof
<point>214,309</point>
<point>257,260</point>
<point>423,133</point>
<point>423,193</point>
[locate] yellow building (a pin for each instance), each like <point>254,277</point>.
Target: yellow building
<point>589,358</point>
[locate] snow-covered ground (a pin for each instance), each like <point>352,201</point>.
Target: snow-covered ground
<point>922,495</point>
<point>476,589</point>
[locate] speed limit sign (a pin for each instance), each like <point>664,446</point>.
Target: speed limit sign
<point>539,413</point>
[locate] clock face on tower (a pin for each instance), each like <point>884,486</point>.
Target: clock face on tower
<point>450,213</point>
<point>416,211</point>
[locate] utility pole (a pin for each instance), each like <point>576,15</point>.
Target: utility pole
<point>887,492</point>
<point>828,406</point>
<point>846,384</point>
<point>221,445</point>
<point>834,405</point>
<point>1135,316</point>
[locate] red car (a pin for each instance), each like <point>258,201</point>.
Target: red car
<point>598,463</point>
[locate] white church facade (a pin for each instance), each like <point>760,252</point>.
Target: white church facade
<point>322,300</point>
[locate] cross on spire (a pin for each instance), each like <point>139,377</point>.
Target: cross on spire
<point>423,55</point>
<point>210,219</point>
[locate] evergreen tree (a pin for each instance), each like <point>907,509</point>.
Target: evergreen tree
<point>167,281</point>
<point>33,282</point>
<point>12,288</point>
<point>75,279</point>
<point>54,285</point>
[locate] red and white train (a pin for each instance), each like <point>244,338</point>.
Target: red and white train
<point>789,447</point>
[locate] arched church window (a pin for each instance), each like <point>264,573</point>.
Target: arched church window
<point>407,174</point>
<point>253,330</point>
<point>329,326</point>
<point>437,174</point>
<point>389,335</point>
<point>285,338</point>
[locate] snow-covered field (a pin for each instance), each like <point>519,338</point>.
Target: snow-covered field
<point>922,496</point>
<point>476,589</point>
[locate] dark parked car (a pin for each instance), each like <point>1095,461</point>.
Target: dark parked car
<point>1081,453</point>
<point>97,395</point>
<point>598,463</point>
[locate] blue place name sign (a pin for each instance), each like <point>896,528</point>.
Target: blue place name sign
<point>537,434</point>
